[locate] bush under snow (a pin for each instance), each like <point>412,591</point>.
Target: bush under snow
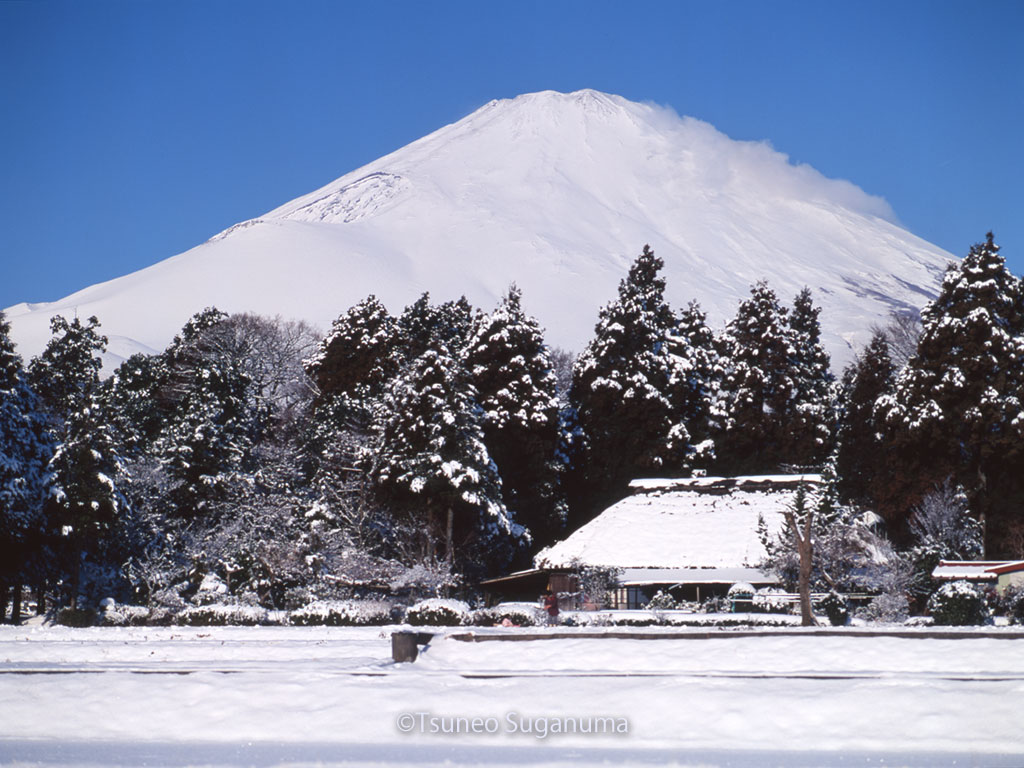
<point>439,612</point>
<point>222,615</point>
<point>958,603</point>
<point>771,600</point>
<point>343,613</point>
<point>662,601</point>
<point>886,608</point>
<point>115,615</point>
<point>1013,601</point>
<point>519,615</point>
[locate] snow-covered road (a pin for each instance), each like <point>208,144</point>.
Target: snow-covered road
<point>331,696</point>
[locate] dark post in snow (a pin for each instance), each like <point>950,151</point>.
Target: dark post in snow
<point>405,645</point>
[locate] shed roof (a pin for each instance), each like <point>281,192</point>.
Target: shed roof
<point>641,577</point>
<point>968,570</point>
<point>705,523</point>
<point>1010,567</point>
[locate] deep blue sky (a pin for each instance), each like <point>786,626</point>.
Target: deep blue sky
<point>132,131</point>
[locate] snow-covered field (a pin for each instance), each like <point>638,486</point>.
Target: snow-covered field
<point>267,696</point>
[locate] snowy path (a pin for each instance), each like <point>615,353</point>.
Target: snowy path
<point>326,696</point>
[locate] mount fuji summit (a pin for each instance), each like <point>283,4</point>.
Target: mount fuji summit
<point>557,193</point>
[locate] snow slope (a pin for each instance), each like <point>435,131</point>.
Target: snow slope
<point>557,192</point>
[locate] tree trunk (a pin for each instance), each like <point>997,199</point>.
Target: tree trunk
<point>431,534</point>
<point>806,614</point>
<point>16,605</point>
<point>76,578</point>
<point>800,522</point>
<point>40,599</point>
<point>3,602</point>
<point>805,547</point>
<point>449,547</point>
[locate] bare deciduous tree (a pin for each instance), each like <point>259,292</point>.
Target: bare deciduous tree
<point>901,333</point>
<point>800,525</point>
<point>562,360</point>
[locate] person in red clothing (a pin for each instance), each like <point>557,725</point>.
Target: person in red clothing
<point>551,606</point>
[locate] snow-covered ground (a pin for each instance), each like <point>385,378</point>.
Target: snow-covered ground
<point>331,696</point>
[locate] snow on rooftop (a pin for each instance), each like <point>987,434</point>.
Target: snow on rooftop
<point>972,570</point>
<point>636,577</point>
<point>694,523</point>
<point>745,482</point>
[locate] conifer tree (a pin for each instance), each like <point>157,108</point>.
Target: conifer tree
<point>359,355</point>
<point>424,326</point>
<point>67,372</point>
<point>509,366</point>
<point>861,455</point>
<point>213,413</point>
<point>812,425</point>
<point>24,454</point>
<point>143,393</point>
<point>208,437</point>
<point>758,387</point>
<point>85,502</point>
<point>695,379</point>
<point>622,386</point>
<point>957,406</point>
<point>130,398</point>
<point>431,449</point>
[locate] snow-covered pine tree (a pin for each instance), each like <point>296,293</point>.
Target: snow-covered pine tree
<point>861,455</point>
<point>193,410</point>
<point>67,371</point>
<point>456,322</point>
<point>812,425</point>
<point>758,388</point>
<point>145,390</point>
<point>359,355</point>
<point>431,452</point>
<point>209,434</point>
<point>424,326</point>
<point>416,327</point>
<point>622,386</point>
<point>508,364</point>
<point>25,451</point>
<point>352,369</point>
<point>188,345</point>
<point>130,398</point>
<point>695,377</point>
<point>85,502</point>
<point>958,405</point>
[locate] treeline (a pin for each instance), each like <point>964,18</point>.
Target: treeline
<point>410,454</point>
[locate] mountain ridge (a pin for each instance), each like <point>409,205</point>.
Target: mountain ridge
<point>558,193</point>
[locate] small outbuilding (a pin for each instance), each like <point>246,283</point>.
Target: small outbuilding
<point>1009,575</point>
<point>692,538</point>
<point>1000,574</point>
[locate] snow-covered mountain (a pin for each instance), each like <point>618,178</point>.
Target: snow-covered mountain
<point>558,193</point>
